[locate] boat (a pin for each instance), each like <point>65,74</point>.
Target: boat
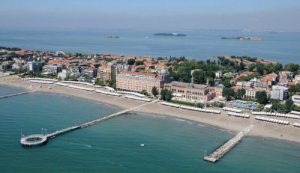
<point>52,137</point>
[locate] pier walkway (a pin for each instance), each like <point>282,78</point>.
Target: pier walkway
<point>215,156</point>
<point>22,93</point>
<point>35,140</point>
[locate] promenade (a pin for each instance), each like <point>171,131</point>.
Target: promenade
<point>12,95</point>
<point>38,139</point>
<point>216,155</point>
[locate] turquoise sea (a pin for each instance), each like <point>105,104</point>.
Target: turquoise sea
<point>198,44</point>
<point>171,145</point>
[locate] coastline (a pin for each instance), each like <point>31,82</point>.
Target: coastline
<point>222,121</point>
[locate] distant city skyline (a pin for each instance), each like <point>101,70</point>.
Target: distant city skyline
<point>151,15</point>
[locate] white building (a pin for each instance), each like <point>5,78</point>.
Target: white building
<point>279,92</point>
<point>31,65</point>
<point>297,79</point>
<point>219,74</point>
<point>64,74</point>
<point>245,84</point>
<point>296,99</point>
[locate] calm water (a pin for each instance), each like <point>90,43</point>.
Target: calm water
<point>171,145</point>
<point>201,45</point>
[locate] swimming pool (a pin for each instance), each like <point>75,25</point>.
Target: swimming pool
<point>245,105</point>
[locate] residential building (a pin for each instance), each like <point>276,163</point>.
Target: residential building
<point>18,66</point>
<point>279,93</point>
<point>289,73</point>
<point>163,62</point>
<point>31,65</point>
<point>297,79</point>
<point>64,74</point>
<point>219,74</point>
<point>51,69</point>
<point>91,72</point>
<point>250,92</point>
<point>245,84</point>
<point>108,72</point>
<point>74,70</point>
<point>296,99</point>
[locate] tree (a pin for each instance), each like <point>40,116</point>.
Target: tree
<point>139,63</point>
<point>242,66</point>
<point>288,104</point>
<point>260,68</point>
<point>251,67</point>
<point>261,97</point>
<point>228,93</point>
<point>131,61</point>
<point>166,94</point>
<point>200,105</point>
<point>99,82</point>
<point>144,92</point>
<point>169,95</point>
<point>226,83</point>
<point>198,77</point>
<point>163,94</point>
<point>240,93</point>
<point>160,58</point>
<point>154,91</point>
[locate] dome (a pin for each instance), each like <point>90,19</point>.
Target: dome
<point>220,86</point>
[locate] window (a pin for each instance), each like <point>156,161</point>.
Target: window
<point>181,91</point>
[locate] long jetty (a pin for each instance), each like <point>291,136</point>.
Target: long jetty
<point>216,155</point>
<point>35,140</point>
<point>12,95</point>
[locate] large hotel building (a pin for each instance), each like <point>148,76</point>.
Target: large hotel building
<point>138,81</point>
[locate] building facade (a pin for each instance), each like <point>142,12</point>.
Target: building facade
<point>296,99</point>
<point>192,92</point>
<point>138,81</point>
<point>279,93</point>
<point>107,73</point>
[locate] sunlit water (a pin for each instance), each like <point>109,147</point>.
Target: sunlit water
<point>201,45</point>
<point>170,144</point>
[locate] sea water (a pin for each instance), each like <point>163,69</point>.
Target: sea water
<point>200,45</point>
<point>170,144</point>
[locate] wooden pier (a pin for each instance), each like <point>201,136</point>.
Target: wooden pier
<point>26,141</point>
<point>216,155</point>
<point>12,95</point>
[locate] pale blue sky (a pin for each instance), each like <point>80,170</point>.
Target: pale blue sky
<point>154,14</point>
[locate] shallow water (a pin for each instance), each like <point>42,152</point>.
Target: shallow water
<point>170,144</point>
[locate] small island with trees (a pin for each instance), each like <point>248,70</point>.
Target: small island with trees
<point>243,38</point>
<point>170,34</point>
<point>111,37</point>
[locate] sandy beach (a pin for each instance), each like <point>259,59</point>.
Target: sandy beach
<point>234,124</point>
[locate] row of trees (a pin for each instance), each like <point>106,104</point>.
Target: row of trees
<point>165,94</point>
<point>12,49</point>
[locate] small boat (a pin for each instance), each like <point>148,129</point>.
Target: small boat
<point>52,137</point>
<point>142,145</point>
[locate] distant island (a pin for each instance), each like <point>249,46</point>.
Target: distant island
<point>170,34</point>
<point>243,38</point>
<point>111,37</point>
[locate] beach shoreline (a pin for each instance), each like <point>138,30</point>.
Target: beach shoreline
<point>231,124</point>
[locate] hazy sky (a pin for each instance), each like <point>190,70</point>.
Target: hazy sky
<point>146,14</point>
